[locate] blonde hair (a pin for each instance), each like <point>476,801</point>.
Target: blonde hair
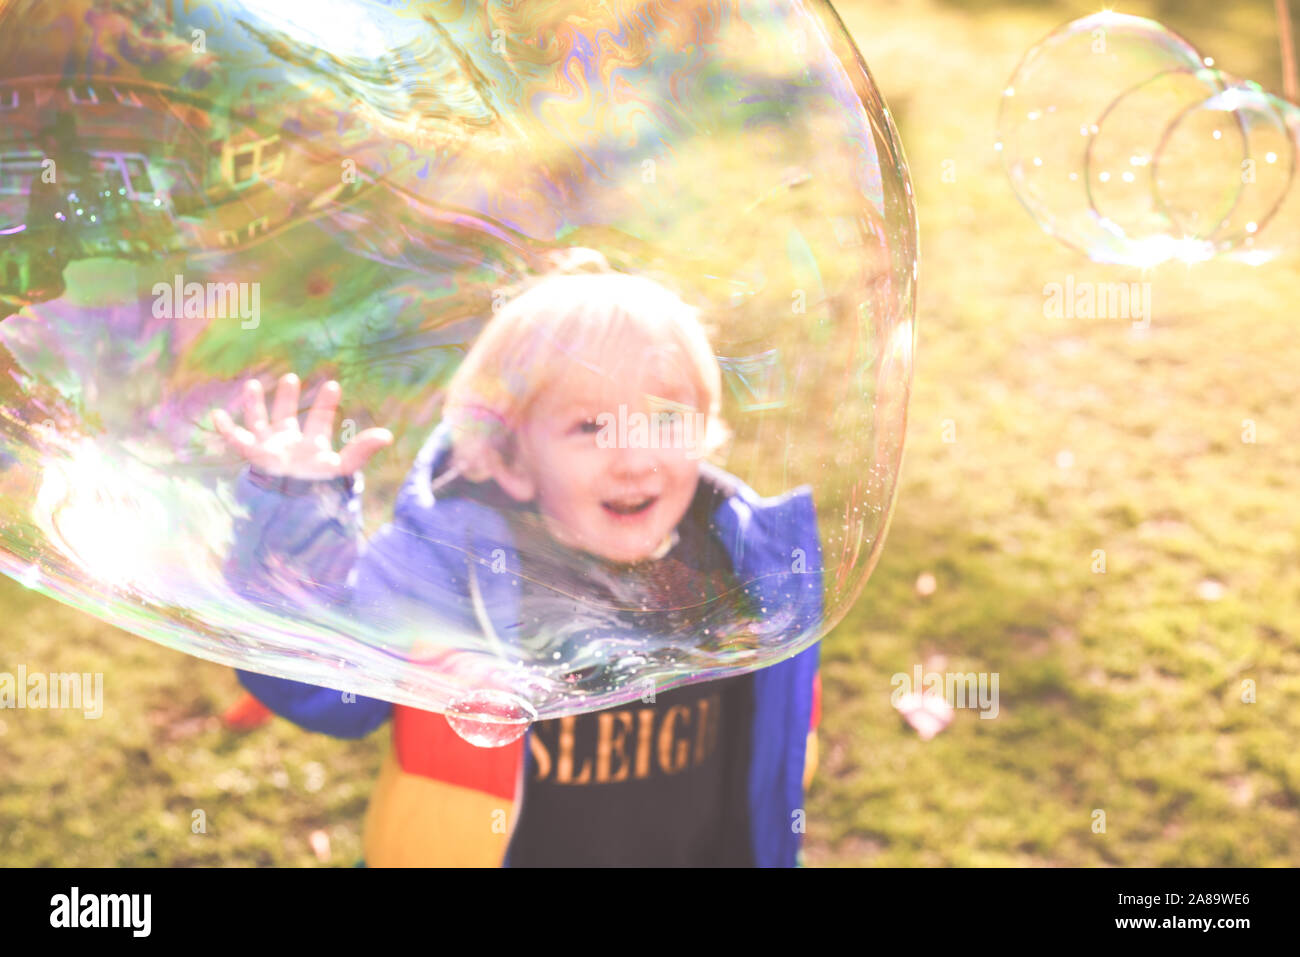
<point>579,307</point>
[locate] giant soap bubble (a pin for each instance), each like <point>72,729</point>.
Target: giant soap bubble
<point>691,227</point>
<point>1125,143</point>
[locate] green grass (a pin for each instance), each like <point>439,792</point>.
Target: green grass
<point>1118,691</point>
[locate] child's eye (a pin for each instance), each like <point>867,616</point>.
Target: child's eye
<point>586,426</point>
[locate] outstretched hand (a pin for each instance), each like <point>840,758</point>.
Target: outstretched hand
<point>277,446</point>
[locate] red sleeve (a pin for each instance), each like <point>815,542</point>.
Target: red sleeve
<point>817,702</point>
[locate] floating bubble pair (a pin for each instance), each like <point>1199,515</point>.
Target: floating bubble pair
<point>197,195</point>
<point>1124,142</point>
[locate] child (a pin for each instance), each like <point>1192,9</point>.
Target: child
<point>712,773</point>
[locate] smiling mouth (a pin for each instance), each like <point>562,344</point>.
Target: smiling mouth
<point>630,506</point>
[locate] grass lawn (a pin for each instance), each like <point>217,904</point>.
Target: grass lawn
<point>1034,445</point>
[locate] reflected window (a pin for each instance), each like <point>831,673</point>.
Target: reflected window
<point>17,170</point>
<point>252,162</point>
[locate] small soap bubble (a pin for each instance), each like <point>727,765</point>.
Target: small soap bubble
<point>490,719</point>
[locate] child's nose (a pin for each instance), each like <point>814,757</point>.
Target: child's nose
<point>635,461</point>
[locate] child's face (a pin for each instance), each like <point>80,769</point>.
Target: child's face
<point>620,503</point>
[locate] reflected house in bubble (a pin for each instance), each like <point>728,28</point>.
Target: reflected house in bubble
<point>81,175</point>
<point>128,173</point>
<point>146,173</point>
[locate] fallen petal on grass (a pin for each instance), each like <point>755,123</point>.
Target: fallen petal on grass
<point>320,845</point>
<point>1210,590</point>
<point>928,714</point>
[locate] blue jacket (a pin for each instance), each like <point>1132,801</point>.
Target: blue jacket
<point>301,537</point>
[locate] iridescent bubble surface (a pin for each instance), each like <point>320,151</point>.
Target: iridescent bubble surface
<point>355,193</point>
<point>1122,141</point>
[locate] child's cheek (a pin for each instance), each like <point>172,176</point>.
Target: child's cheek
<point>566,498</point>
